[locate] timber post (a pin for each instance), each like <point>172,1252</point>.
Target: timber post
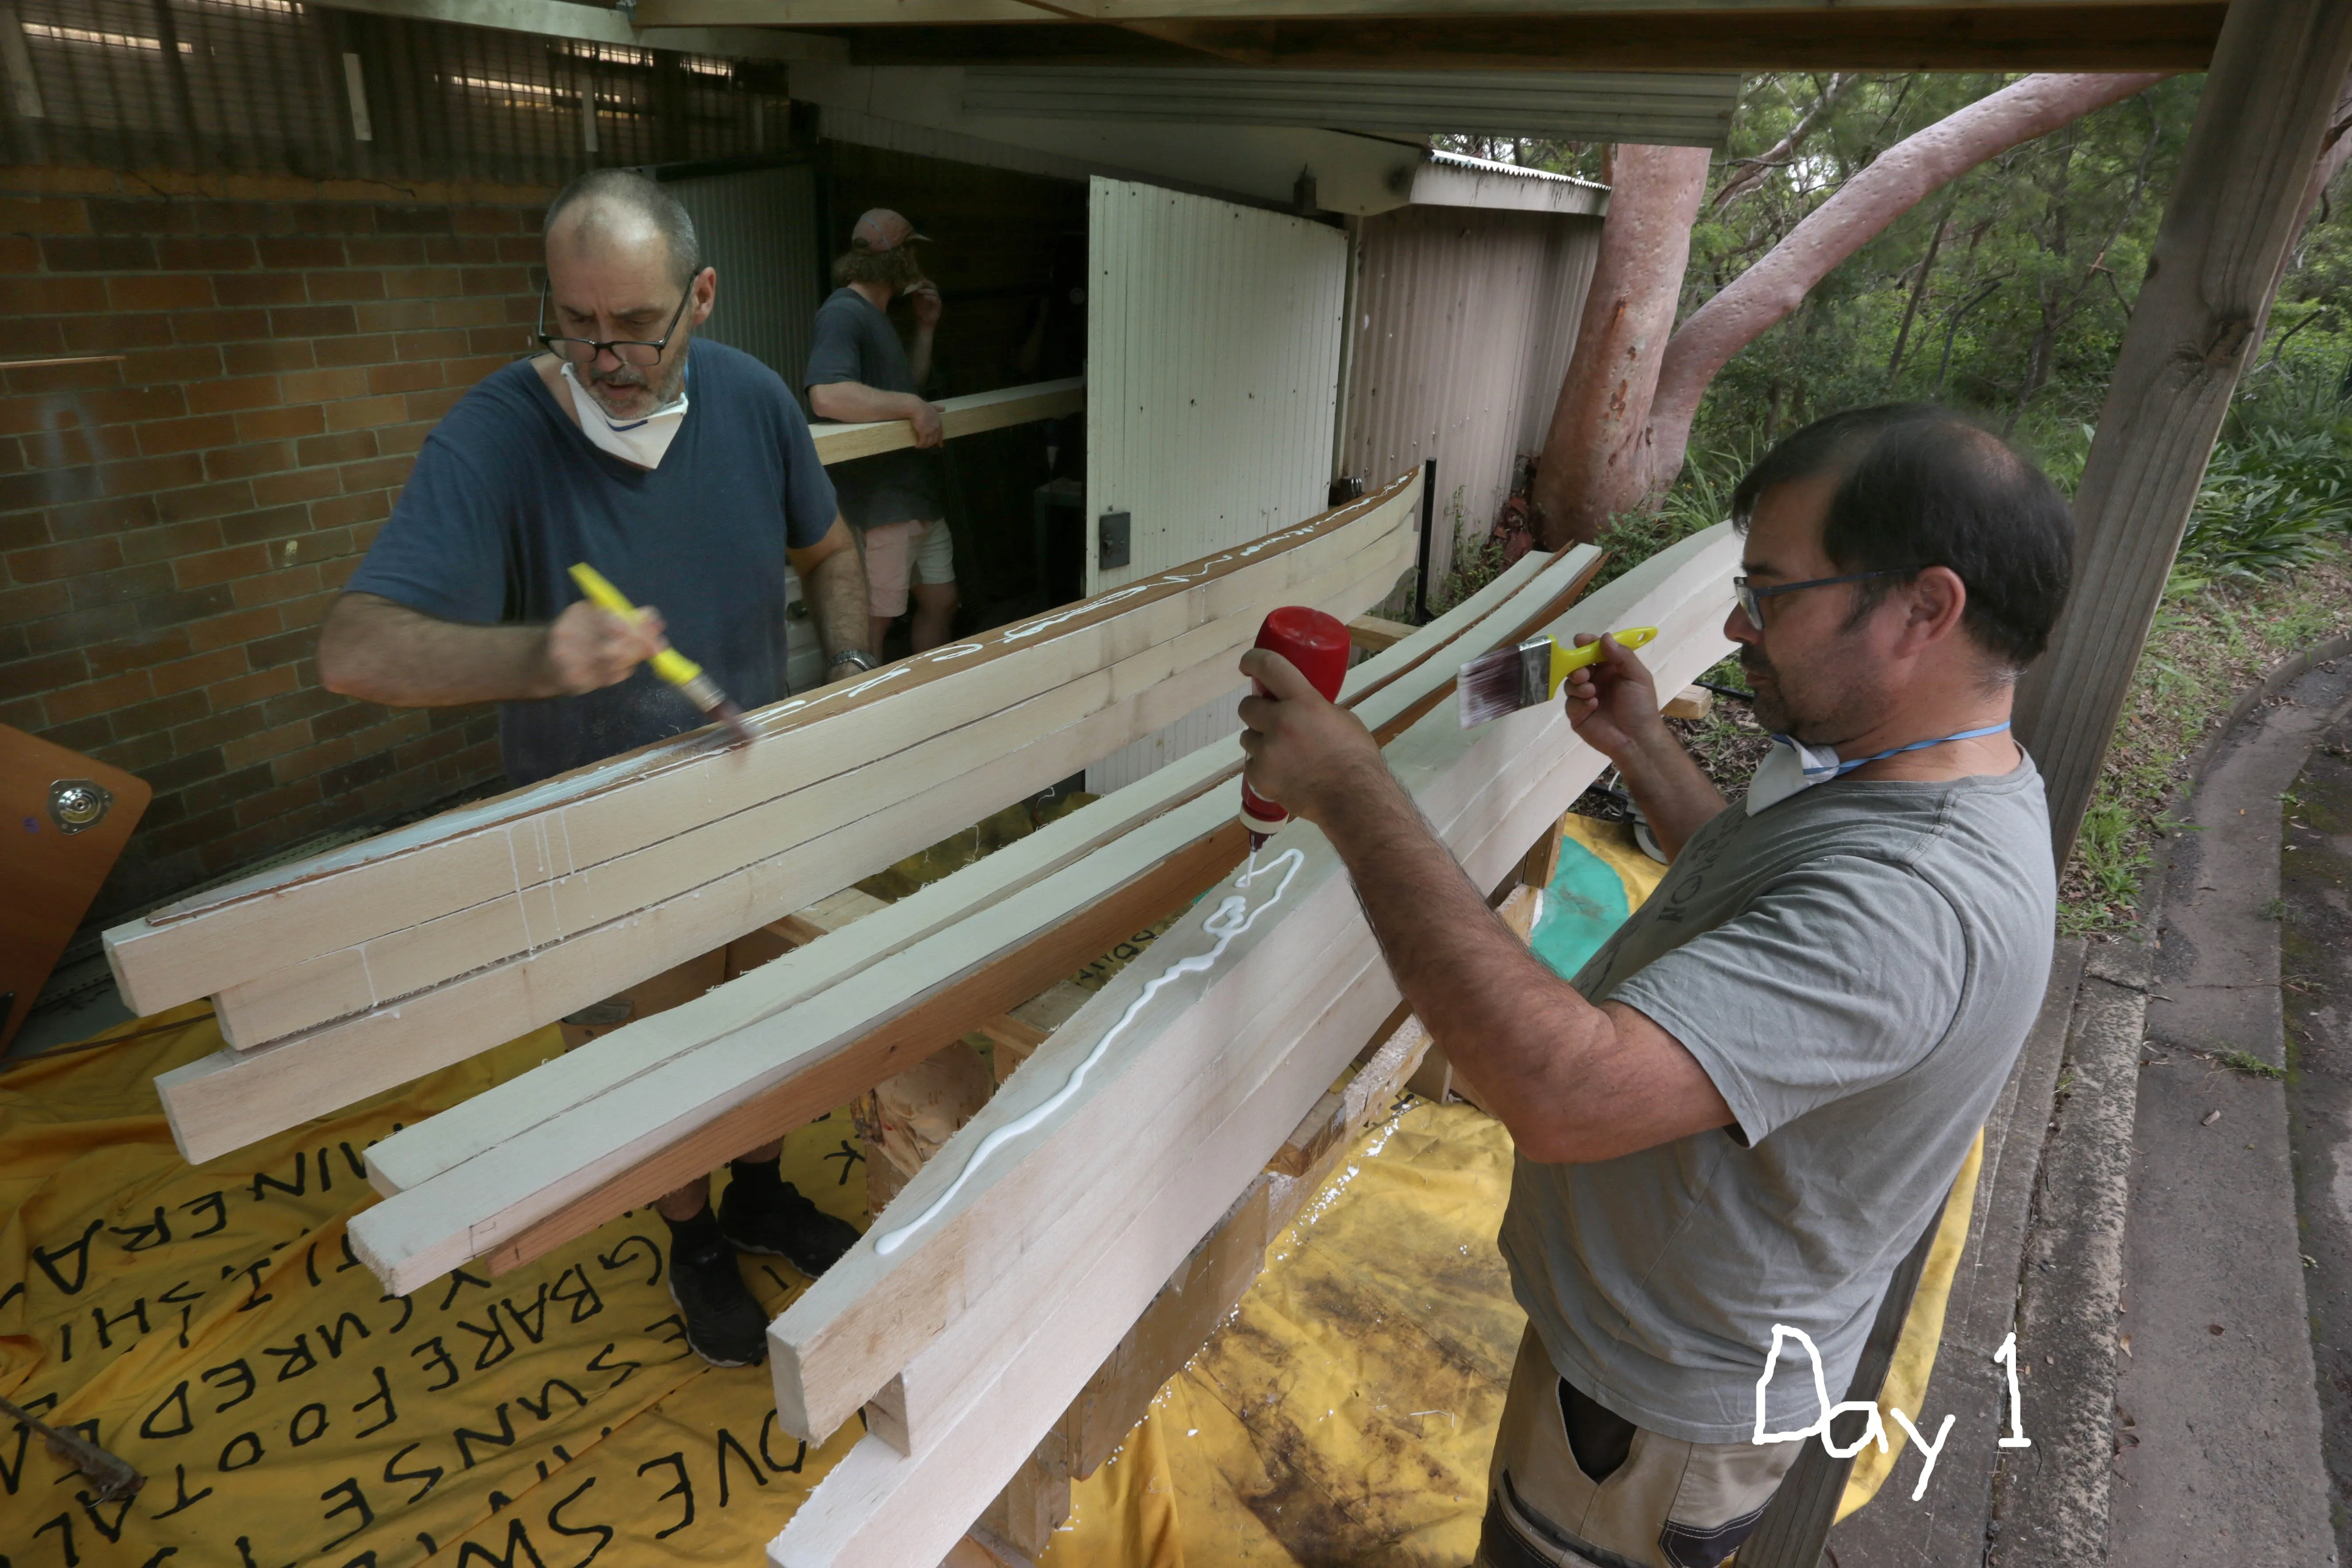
<point>2233,212</point>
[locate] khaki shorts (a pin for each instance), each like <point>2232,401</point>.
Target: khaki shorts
<point>899,552</point>
<point>1661,1503</point>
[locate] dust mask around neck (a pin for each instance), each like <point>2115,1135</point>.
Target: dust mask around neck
<point>642,441</point>
<point>1792,765</point>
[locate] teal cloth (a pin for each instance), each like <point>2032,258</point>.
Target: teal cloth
<point>1583,904</point>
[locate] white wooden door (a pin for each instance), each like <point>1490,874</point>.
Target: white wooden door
<point>1213,378</point>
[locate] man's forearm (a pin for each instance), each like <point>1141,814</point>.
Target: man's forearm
<point>1674,793</point>
<point>837,600</point>
<point>1504,1018</point>
<point>855,403</point>
<point>384,652</point>
<point>919,359</point>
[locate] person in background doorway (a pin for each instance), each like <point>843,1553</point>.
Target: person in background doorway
<point>683,470</point>
<point>859,371</point>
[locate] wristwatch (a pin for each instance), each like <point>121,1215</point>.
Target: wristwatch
<point>856,656</point>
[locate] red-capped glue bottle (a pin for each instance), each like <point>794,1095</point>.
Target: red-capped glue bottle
<point>1317,644</point>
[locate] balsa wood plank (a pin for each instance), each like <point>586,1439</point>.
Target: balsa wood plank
<point>1214,1276</point>
<point>479,1124</point>
<point>966,416</point>
<point>742,1081</point>
<point>234,1098</point>
<point>873,1314</point>
<point>570,824</point>
<point>1158,680</point>
<point>1372,633</point>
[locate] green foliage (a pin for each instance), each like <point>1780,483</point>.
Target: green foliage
<point>1700,500</point>
<point>2272,500</point>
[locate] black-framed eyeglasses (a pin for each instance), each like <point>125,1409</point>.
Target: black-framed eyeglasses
<point>633,351</point>
<point>1751,598</point>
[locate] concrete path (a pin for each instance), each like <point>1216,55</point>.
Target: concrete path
<point>2316,882</point>
<point>2217,1435</point>
<point>1944,1528</point>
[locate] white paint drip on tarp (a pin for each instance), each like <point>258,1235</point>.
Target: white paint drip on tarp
<point>1232,917</point>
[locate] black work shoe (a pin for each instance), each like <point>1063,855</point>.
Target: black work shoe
<point>771,1217</point>
<point>723,1323</point>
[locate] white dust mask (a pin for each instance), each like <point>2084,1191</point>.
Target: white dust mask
<point>642,441</point>
<point>1792,765</point>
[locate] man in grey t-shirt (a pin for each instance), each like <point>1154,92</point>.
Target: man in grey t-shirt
<point>1752,1100</point>
<point>857,371</point>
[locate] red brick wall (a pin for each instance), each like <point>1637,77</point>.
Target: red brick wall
<point>175,523</point>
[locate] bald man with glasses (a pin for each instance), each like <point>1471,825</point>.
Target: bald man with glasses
<point>683,471</point>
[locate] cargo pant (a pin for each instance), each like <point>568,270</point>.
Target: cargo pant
<point>1575,1485</point>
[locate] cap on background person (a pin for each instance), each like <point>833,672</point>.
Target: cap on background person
<point>879,229</point>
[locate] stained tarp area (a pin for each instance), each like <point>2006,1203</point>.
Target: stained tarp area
<point>210,1326</point>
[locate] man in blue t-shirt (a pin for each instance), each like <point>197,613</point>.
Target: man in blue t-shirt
<point>684,472</point>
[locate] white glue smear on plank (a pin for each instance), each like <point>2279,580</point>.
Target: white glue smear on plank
<point>1232,917</point>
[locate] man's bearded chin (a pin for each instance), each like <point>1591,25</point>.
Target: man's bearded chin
<point>622,390</point>
<point>1770,710</point>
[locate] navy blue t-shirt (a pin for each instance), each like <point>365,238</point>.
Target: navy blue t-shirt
<point>507,493</point>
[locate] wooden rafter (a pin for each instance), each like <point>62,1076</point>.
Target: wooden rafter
<point>1531,35</point>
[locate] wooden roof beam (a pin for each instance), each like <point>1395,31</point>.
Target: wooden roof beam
<point>2069,37</point>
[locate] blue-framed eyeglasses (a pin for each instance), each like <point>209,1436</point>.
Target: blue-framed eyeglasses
<point>1751,598</point>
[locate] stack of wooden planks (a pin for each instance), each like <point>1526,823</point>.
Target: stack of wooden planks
<point>979,1305</point>
<point>347,975</point>
<point>558,1151</point>
<point>970,1321</point>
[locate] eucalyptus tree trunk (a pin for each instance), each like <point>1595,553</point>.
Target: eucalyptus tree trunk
<point>1622,427</point>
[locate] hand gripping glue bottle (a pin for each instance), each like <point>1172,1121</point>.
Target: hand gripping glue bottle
<point>1317,644</point>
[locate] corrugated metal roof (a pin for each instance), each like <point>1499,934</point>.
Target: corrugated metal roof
<point>1452,180</point>
<point>1684,109</point>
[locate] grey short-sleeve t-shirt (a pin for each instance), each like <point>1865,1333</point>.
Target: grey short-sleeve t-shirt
<point>853,341</point>
<point>1855,967</point>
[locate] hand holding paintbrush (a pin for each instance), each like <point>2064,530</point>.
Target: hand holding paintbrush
<point>668,663</point>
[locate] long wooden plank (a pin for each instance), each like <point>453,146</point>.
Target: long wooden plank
<point>562,826</point>
<point>967,415</point>
<point>988,1397</point>
<point>1155,684</point>
<point>876,1311</point>
<point>477,1125</point>
<point>537,1186</point>
<point>599,885</point>
<point>233,1097</point>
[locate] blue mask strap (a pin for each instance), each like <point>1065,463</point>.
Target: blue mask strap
<point>1845,768</point>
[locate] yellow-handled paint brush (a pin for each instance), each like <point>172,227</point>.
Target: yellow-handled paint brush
<point>669,664</point>
<point>1528,673</point>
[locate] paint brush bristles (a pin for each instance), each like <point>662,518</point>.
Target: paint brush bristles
<point>1529,675</point>
<point>1504,682</point>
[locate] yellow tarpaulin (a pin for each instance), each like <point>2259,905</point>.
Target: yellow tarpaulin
<point>209,1326</point>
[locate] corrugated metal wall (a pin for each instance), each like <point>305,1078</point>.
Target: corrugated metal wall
<point>1464,321</point>
<point>1212,369</point>
<point>758,227</point>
